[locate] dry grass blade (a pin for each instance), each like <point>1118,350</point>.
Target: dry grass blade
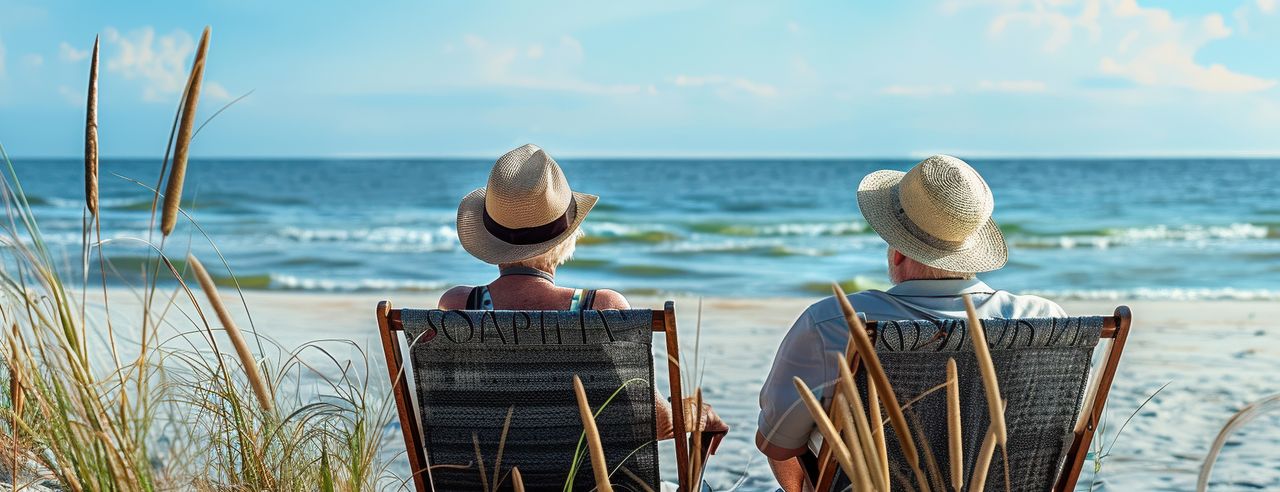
<point>1239,419</point>
<point>484,478</point>
<point>990,383</point>
<point>259,385</point>
<point>502,445</point>
<point>695,438</point>
<point>954,440</point>
<point>863,428</point>
<point>593,438</point>
<point>844,416</point>
<point>517,481</point>
<point>978,480</point>
<point>877,434</point>
<point>91,136</point>
<point>876,373</point>
<point>828,429</point>
<point>636,478</point>
<point>181,146</point>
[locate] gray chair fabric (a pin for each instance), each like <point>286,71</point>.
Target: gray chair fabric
<point>471,366</point>
<point>1042,366</point>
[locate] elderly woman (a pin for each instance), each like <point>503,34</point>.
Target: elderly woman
<point>527,222</point>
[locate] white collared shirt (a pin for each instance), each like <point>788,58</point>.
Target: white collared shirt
<point>817,341</point>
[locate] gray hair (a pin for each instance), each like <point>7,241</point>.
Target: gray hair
<point>915,270</point>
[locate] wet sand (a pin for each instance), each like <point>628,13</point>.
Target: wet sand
<point>1218,357</point>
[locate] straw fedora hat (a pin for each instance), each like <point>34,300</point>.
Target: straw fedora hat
<point>938,213</point>
<point>526,209</point>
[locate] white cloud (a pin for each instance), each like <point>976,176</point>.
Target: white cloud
<point>32,60</point>
<point>754,88</point>
<point>1018,86</point>
<point>534,66</point>
<point>69,53</point>
<point>1267,6</point>
<point>793,27</point>
<point>1147,46</point>
<point>160,63</point>
<point>917,90</point>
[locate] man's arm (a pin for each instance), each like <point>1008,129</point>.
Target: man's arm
<point>786,465</point>
<point>784,423</point>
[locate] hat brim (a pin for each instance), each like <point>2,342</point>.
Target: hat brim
<point>984,251</point>
<point>485,246</point>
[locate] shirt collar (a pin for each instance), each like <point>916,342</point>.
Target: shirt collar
<point>940,288</point>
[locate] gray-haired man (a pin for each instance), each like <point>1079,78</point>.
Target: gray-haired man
<point>936,219</point>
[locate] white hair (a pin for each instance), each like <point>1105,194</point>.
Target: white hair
<point>556,256</point>
<point>915,270</point>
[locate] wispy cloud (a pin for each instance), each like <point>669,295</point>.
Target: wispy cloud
<point>535,66</point>
<point>1267,6</point>
<point>751,87</point>
<point>158,62</point>
<point>69,53</point>
<point>1022,86</point>
<point>1147,46</point>
<point>32,60</point>
<point>918,90</point>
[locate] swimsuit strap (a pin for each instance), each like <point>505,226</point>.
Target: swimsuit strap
<point>583,299</point>
<point>480,300</point>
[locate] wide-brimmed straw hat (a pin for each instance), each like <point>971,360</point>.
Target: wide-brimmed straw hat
<point>526,209</point>
<point>938,213</point>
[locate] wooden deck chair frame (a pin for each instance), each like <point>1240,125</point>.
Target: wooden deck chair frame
<point>391,327</point>
<point>1114,327</point>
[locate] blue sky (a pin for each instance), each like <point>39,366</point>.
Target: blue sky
<point>854,78</point>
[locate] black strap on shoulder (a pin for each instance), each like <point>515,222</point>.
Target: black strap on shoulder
<point>475,300</point>
<point>588,299</point>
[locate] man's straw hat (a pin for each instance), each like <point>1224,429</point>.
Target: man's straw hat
<point>526,209</point>
<point>938,213</point>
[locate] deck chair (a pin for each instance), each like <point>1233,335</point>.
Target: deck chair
<point>470,368</point>
<point>1043,366</point>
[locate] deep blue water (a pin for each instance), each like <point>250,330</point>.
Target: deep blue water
<point>1076,228</point>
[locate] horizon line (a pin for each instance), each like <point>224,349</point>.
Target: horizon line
<point>692,156</point>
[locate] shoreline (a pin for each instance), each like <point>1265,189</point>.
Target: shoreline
<point>1217,355</point>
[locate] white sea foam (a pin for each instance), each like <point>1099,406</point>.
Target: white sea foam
<point>1196,235</point>
<point>1163,293</point>
<point>440,237</point>
<point>291,282</point>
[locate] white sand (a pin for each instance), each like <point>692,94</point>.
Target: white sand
<point>1218,355</point>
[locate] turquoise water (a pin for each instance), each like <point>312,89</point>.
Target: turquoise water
<point>1076,228</point>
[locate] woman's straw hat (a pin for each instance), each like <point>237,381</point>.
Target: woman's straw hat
<point>526,209</point>
<point>938,213</point>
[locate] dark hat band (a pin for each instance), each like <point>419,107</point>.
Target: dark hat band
<point>530,235</point>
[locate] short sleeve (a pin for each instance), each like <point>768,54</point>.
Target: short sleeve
<point>784,421</point>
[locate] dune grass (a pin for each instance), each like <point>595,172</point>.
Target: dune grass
<point>92,403</point>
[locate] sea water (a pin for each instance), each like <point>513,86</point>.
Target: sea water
<point>1083,229</point>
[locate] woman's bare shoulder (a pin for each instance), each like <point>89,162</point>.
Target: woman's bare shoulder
<point>610,299</point>
<point>455,298</point>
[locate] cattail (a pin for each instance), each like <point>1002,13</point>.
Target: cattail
<point>16,393</point>
<point>173,189</point>
<point>91,136</point>
<point>876,373</point>
<point>260,388</point>
<point>593,438</point>
<point>988,368</point>
<point>956,444</point>
<point>828,429</point>
<point>517,482</point>
<point>860,424</point>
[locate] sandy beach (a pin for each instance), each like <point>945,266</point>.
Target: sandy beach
<point>1218,356</point>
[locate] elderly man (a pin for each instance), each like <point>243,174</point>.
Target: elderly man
<point>936,219</point>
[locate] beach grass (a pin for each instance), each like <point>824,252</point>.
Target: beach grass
<point>160,404</point>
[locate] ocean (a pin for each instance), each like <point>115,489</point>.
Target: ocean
<point>1077,229</point>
